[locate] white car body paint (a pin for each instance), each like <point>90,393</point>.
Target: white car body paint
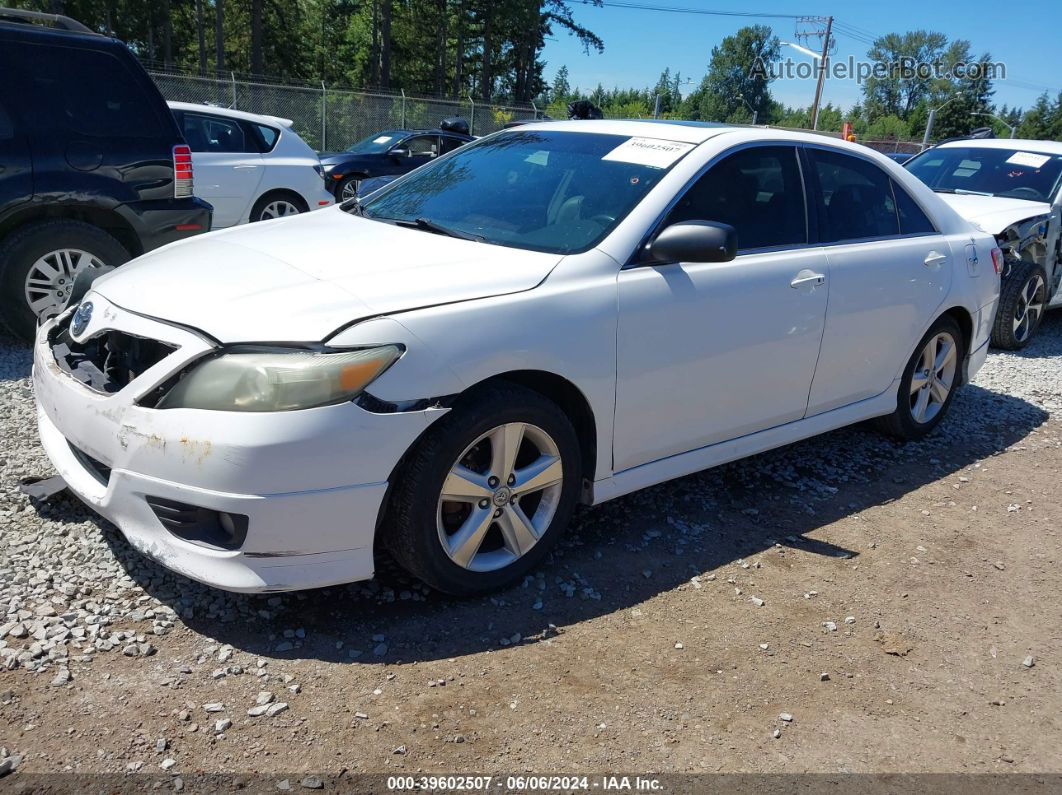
<point>234,181</point>
<point>993,214</point>
<point>732,365</point>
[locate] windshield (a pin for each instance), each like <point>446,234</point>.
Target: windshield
<point>560,192</point>
<point>377,143</point>
<point>1010,173</point>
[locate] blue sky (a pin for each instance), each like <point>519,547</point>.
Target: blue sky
<point>639,44</point>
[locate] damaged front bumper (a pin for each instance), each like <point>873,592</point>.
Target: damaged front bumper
<point>302,491</point>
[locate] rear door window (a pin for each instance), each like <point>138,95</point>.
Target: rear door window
<point>913,221</point>
<point>214,134</point>
<point>449,144</point>
<point>88,92</point>
<point>855,198</point>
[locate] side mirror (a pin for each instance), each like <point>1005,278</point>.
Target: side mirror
<point>399,152</point>
<point>694,241</point>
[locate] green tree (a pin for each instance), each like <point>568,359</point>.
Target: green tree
<point>896,92</point>
<point>738,78</point>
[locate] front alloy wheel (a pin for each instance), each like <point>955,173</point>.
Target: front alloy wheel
<point>1030,308</point>
<point>500,497</point>
<point>486,493</point>
<point>348,188</point>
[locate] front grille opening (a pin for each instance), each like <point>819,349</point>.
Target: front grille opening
<point>109,361</point>
<point>100,471</point>
<point>215,529</point>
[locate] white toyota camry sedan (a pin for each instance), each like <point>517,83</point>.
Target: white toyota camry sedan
<point>559,313</point>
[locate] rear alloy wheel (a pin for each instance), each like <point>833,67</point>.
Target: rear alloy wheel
<point>1022,301</point>
<point>277,206</point>
<point>486,493</point>
<point>929,382</point>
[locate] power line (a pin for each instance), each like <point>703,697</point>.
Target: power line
<point>687,10</point>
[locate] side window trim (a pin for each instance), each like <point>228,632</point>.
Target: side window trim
<point>820,199</point>
<point>634,260</point>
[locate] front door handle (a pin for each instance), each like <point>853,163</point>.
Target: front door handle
<point>808,277</point>
<point>934,259</point>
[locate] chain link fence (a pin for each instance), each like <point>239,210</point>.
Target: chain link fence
<point>333,119</point>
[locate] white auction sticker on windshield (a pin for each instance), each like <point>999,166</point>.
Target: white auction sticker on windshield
<point>1029,159</point>
<point>651,152</point>
<point>382,139</point>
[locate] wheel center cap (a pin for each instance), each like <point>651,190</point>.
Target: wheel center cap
<point>502,496</point>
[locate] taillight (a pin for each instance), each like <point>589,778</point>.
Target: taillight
<point>182,171</point>
<point>997,260</point>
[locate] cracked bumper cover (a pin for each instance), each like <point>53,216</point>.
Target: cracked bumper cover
<point>311,482</point>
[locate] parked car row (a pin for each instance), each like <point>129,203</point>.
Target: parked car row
<point>99,169</point>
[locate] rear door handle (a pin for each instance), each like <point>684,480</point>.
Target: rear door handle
<point>808,276</point>
<point>245,166</point>
<point>934,259</point>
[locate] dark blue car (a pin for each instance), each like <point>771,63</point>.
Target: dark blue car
<point>389,153</point>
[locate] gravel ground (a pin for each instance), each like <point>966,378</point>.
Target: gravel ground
<point>842,604</point>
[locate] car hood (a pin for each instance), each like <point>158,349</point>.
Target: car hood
<point>993,214</point>
<point>301,278</point>
<point>332,159</point>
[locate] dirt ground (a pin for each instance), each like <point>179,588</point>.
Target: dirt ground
<point>904,590</point>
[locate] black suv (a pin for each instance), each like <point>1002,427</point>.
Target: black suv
<point>93,169</point>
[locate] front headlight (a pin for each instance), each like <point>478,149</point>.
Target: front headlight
<point>279,380</point>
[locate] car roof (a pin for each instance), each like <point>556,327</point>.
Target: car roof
<point>435,131</point>
<point>697,132</point>
<point>231,113</point>
<point>1025,144</point>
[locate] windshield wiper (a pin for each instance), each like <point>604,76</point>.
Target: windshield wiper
<point>429,225</point>
<point>355,207</point>
<point>965,192</point>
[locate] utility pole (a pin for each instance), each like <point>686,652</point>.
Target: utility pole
<point>823,64</point>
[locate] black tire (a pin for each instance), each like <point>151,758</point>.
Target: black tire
<point>1012,304</point>
<point>902,424</point>
<point>410,530</point>
<point>292,198</point>
<point>343,184</point>
<point>22,248</point>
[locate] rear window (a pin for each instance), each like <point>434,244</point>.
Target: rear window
<point>85,91</point>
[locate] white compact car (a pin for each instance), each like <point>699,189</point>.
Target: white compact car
<point>554,314</point>
<point>1011,188</point>
<point>248,166</point>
